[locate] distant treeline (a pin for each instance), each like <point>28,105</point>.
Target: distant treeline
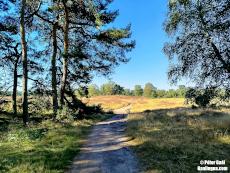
<point>149,90</point>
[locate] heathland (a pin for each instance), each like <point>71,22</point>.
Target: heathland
<point>169,136</point>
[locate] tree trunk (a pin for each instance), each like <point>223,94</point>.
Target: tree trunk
<point>225,64</point>
<point>54,71</point>
<point>14,93</point>
<point>24,64</point>
<point>65,56</point>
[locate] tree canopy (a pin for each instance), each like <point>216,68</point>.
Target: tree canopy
<point>199,49</point>
<point>60,45</point>
<point>149,90</point>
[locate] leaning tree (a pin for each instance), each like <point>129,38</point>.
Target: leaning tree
<point>200,41</point>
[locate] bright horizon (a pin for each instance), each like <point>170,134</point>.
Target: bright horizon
<point>148,62</point>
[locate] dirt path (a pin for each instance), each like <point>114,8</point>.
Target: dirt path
<point>106,150</point>
<point>124,110</point>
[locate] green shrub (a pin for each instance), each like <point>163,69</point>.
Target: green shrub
<point>200,97</point>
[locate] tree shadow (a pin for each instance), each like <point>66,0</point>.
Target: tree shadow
<point>42,149</point>
<point>176,140</point>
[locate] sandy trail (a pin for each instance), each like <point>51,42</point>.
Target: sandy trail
<point>123,110</point>
<point>106,150</point>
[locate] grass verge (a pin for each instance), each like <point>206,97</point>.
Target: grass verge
<point>43,147</point>
<point>175,140</point>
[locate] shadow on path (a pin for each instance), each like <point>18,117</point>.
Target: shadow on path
<point>106,150</point>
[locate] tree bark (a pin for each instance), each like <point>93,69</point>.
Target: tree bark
<point>14,93</point>
<point>54,70</point>
<point>24,64</point>
<point>65,56</point>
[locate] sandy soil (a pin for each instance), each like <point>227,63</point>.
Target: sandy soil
<point>106,150</point>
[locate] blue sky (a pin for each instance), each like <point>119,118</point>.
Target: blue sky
<point>148,62</point>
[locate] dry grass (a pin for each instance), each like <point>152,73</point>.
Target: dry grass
<point>138,104</point>
<point>153,104</point>
<point>108,102</point>
<point>175,140</point>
